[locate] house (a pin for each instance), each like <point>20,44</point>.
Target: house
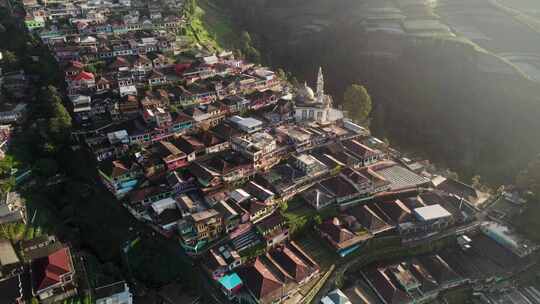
<point>317,197</point>
<point>172,157</point>
<point>336,296</point>
<point>179,183</point>
<point>119,177</point>
<point>294,262</point>
<point>53,276</point>
<point>278,274</point>
<point>433,217</point>
<point>309,164</point>
<point>141,198</point>
<point>82,80</point>
<point>159,61</point>
<point>248,124</point>
<point>460,190</point>
<point>363,153</point>
<point>369,220</point>
<point>102,84</point>
<point>117,293</point>
<point>386,287</point>
<point>257,147</point>
<point>230,284</point>
<point>129,105</point>
<point>181,123</point>
<point>274,229</point>
<point>206,177</point>
<point>262,283</point>
<point>73,68</point>
<point>212,142</point>
<point>342,190</point>
<point>12,113</point>
<point>190,145</point>
<point>260,193</point>
<point>206,225</point>
<point>39,247</point>
<point>156,78</point>
<point>221,260</point>
<point>230,217</point>
<point>339,235</point>
<point>394,212</point>
<point>235,104</point>
<point>82,106</point>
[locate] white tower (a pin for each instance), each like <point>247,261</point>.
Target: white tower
<point>320,86</point>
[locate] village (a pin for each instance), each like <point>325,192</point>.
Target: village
<point>269,187</point>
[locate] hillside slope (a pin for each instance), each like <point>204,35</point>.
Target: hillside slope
<point>435,91</point>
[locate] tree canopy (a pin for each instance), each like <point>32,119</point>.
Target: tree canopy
<point>59,120</point>
<point>357,103</point>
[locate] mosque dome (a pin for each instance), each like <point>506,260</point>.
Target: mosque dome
<point>305,94</point>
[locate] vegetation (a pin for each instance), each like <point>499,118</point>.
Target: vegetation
<point>299,216</point>
<point>253,252</point>
<point>357,103</point>
<point>210,26</point>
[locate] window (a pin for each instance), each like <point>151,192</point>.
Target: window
<point>304,114</point>
<point>311,114</point>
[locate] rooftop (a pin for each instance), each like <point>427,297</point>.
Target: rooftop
<point>7,253</point>
<point>431,213</point>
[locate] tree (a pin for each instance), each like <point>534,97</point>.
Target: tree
<point>60,123</point>
<point>59,120</point>
<point>10,60</point>
<point>46,167</point>
<point>281,74</point>
<point>247,48</point>
<point>7,184</point>
<point>476,182</point>
<point>357,103</point>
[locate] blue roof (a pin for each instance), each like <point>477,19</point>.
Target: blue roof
<point>230,281</point>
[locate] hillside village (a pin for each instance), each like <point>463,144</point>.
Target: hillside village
<point>268,187</point>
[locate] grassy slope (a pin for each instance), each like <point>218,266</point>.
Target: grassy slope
<point>218,24</point>
<point>212,28</point>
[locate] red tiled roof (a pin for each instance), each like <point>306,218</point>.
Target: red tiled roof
<point>333,228</point>
<point>291,263</point>
<point>260,279</point>
<point>47,271</point>
<point>75,65</point>
<point>83,76</point>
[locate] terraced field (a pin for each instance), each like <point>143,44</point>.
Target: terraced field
<point>506,32</point>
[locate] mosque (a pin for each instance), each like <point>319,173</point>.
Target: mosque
<point>315,107</point>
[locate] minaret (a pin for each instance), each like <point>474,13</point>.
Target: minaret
<point>320,86</point>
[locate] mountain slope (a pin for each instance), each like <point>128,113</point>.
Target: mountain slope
<point>434,90</point>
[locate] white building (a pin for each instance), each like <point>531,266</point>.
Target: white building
<point>315,107</point>
<point>246,124</point>
<point>12,114</point>
<point>117,293</point>
<point>336,297</point>
<point>258,147</point>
